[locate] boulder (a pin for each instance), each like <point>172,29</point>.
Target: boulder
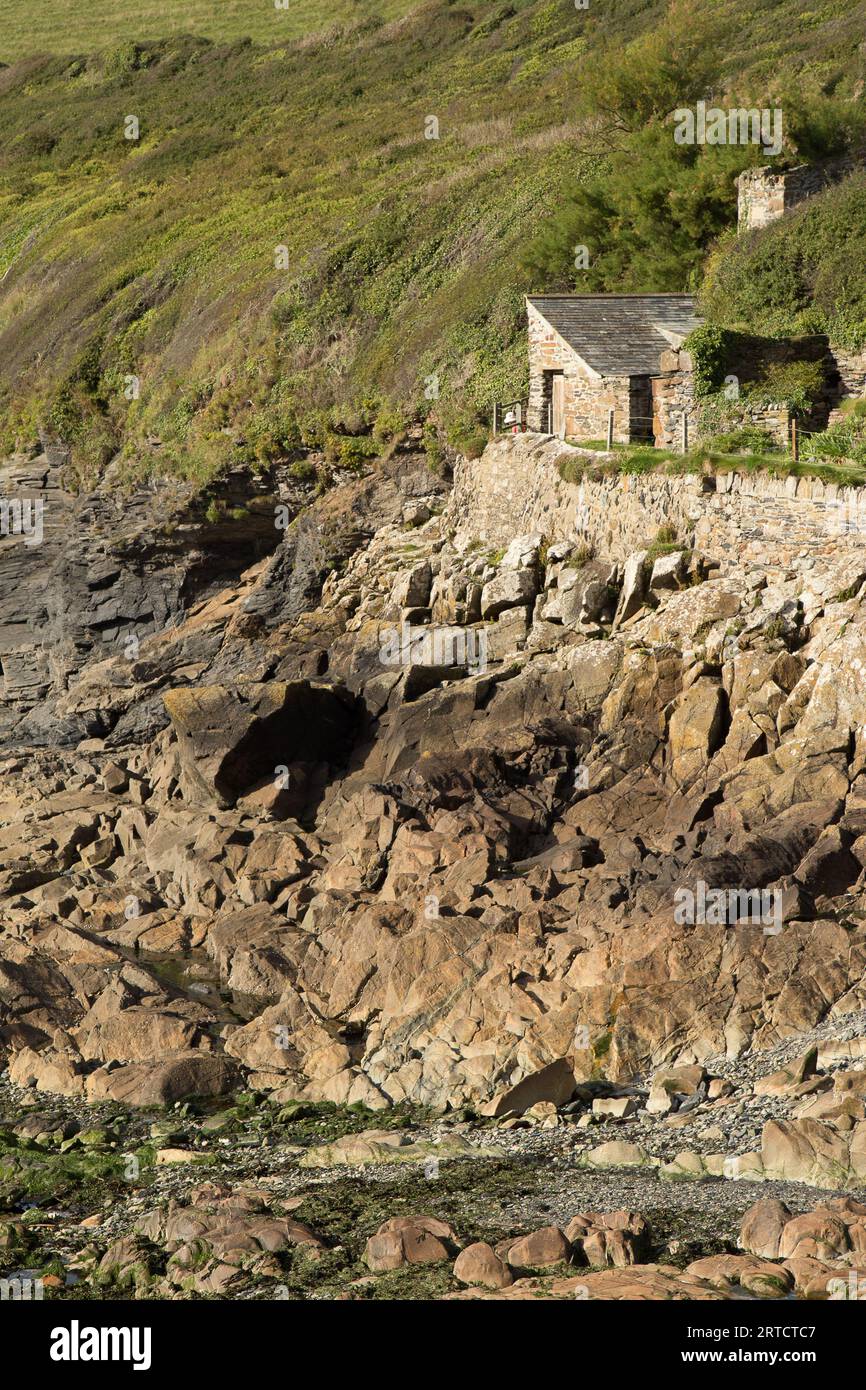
<point>547,1246</point>
<point>162,1083</point>
<point>408,1240</point>
<point>231,738</point>
<point>805,1151</point>
<point>479,1264</point>
<point>617,1154</point>
<point>554,1083</point>
<point>508,589</point>
<point>670,1084</point>
<point>762,1226</point>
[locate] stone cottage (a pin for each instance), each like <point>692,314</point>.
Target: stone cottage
<point>592,353</point>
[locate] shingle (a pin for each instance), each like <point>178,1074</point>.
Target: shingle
<point>619,334</point>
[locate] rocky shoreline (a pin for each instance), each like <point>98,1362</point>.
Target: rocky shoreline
<point>350,892</point>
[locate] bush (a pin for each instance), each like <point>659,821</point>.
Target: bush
<point>710,348</point>
<point>303,471</point>
<point>749,440</point>
<point>795,384</point>
<point>805,273</point>
<point>846,440</point>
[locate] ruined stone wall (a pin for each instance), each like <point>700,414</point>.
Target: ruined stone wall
<point>515,488</point>
<point>673,390</point>
<point>763,195</point>
<point>851,370</point>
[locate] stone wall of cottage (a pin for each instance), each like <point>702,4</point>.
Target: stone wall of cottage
<point>516,488</point>
<point>588,398</point>
<point>673,389</point>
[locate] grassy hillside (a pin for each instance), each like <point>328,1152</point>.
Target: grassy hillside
<point>82,26</point>
<point>283,255</point>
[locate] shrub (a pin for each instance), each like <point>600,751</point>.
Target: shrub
<point>302,470</point>
<point>748,440</point>
<point>795,384</point>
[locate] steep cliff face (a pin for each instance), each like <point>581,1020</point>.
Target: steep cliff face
<point>96,574</point>
<point>447,815</point>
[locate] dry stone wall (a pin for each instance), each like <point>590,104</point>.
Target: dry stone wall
<point>515,488</point>
<point>763,195</point>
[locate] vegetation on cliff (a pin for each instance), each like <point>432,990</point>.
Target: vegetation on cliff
<point>285,255</point>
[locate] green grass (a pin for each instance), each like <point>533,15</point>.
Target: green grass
<point>399,291</point>
<point>82,26</point>
<point>643,459</point>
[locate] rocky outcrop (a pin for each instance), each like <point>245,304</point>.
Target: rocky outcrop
<point>445,850</point>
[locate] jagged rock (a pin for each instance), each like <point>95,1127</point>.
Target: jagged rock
<point>508,589</point>
<point>634,587</point>
<point>522,552</point>
<point>230,739</point>
<point>412,589</point>
<point>668,571</point>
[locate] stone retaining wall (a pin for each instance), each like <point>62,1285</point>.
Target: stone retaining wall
<point>515,488</point>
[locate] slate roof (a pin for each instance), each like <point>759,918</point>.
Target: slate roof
<point>619,334</point>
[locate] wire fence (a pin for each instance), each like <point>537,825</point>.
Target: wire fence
<point>676,427</point>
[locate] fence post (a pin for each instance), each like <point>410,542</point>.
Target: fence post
<point>495,419</point>
<point>795,440</point>
<point>685,438</point>
<point>609,431</point>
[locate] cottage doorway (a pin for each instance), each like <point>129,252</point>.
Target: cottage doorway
<point>657,385</point>
<point>558,405</point>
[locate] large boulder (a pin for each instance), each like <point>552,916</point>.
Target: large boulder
<point>232,739</point>
<point>554,1083</point>
<point>163,1083</point>
<point>762,1227</point>
<point>508,589</point>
